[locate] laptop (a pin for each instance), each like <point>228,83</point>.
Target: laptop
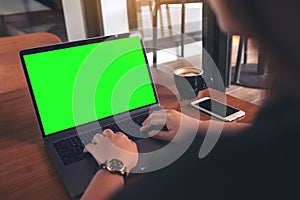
<point>80,88</point>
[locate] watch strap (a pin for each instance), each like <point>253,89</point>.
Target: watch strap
<point>103,166</point>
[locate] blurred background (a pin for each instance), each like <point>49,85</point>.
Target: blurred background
<point>79,19</point>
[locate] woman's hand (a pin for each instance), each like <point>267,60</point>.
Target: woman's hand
<point>175,121</point>
<point>109,145</point>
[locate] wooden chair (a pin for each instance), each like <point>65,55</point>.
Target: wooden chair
<point>134,5</point>
<point>10,63</point>
<point>258,81</point>
<point>157,7</point>
<point>150,4</point>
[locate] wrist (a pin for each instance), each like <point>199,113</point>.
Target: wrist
<point>114,167</point>
<point>193,125</point>
<point>105,173</point>
<point>203,126</point>
<point>117,178</point>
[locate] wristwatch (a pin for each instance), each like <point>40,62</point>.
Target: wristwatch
<point>114,166</point>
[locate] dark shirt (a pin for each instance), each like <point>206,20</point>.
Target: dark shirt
<point>259,163</point>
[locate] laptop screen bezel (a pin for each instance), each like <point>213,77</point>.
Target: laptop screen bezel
<point>25,52</point>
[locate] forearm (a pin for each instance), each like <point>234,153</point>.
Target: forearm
<point>104,185</point>
<point>224,126</point>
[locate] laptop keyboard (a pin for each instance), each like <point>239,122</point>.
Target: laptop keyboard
<point>70,149</point>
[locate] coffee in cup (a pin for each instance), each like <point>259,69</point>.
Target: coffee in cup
<point>189,81</point>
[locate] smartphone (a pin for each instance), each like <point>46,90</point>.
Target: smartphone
<point>217,109</point>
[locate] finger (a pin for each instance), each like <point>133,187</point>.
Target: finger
<point>154,126</point>
<point>154,120</point>
<point>108,133</point>
<point>92,149</point>
<point>161,135</point>
<point>97,138</point>
<point>85,150</point>
<point>157,122</point>
<point>155,114</point>
<point>145,127</point>
<point>146,124</point>
<point>146,121</point>
<point>88,147</point>
<point>131,141</point>
<point>120,134</point>
<point>158,114</point>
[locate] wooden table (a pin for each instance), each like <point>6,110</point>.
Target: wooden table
<point>25,169</point>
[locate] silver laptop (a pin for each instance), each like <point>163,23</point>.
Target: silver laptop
<point>79,89</point>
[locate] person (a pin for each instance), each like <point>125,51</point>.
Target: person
<point>259,162</point>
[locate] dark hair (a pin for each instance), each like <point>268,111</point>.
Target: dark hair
<point>277,33</point>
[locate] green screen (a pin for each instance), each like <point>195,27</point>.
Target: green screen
<point>81,84</point>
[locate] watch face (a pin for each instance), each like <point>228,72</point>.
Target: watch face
<point>115,164</point>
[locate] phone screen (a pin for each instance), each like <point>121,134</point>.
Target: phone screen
<point>218,108</point>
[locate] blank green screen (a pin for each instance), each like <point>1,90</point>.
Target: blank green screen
<point>81,84</point>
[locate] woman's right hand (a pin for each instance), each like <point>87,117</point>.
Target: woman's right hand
<point>110,145</point>
<point>174,120</point>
